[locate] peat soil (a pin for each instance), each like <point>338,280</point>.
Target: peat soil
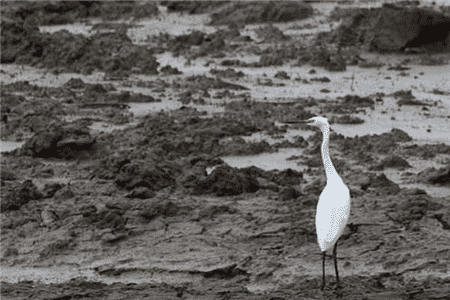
<point>149,152</point>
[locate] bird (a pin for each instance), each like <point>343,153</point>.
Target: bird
<point>333,208</point>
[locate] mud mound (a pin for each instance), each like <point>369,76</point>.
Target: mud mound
<point>23,121</point>
<point>287,177</point>
<point>347,119</point>
<point>157,208</point>
<point>431,175</point>
<point>154,176</point>
<point>381,185</point>
<point>213,43</point>
<point>16,39</point>
<point>260,12</point>
<point>113,53</point>
<point>181,43</point>
<point>270,33</point>
<point>186,144</point>
<point>392,161</point>
<point>407,98</point>
<point>383,144</point>
<point>357,101</point>
<point>228,73</point>
<point>224,181</point>
<point>338,13</point>
<point>413,208</point>
<point>168,70</point>
<point>238,146</point>
<point>202,82</point>
<point>393,28</point>
<point>192,7</point>
<point>323,57</point>
<point>59,141</point>
<point>13,197</point>
<point>50,189</point>
<point>106,218</point>
<point>64,12</point>
<point>426,151</point>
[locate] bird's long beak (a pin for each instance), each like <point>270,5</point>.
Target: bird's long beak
<point>296,122</point>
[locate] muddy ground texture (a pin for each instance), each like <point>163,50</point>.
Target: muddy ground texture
<point>152,210</point>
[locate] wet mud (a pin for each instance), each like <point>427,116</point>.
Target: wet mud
<point>105,200</point>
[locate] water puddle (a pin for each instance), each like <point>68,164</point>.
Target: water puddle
<point>267,161</point>
<point>6,146</point>
<point>74,28</point>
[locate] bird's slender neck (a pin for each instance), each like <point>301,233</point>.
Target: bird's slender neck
<point>329,168</point>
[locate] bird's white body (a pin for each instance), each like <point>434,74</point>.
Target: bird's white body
<point>333,211</point>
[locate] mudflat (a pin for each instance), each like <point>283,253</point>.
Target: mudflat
<point>149,150</point>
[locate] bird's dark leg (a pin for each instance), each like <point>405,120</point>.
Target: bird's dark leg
<point>323,270</point>
<point>338,285</point>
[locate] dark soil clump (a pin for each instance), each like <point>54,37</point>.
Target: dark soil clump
<point>193,7</point>
<point>426,151</point>
<point>381,185</point>
<point>392,161</point>
<point>112,53</point>
<point>65,12</point>
<point>261,12</point>
<point>394,28</point>
<point>225,181</point>
<point>431,175</point>
<point>14,197</point>
<point>59,141</point>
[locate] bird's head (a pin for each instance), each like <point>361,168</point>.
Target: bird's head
<point>317,122</point>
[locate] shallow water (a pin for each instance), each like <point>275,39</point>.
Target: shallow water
<point>6,146</point>
<point>267,161</point>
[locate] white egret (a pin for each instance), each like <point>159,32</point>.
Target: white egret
<point>333,209</point>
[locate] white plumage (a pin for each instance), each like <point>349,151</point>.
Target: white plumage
<point>332,214</point>
<point>333,209</point>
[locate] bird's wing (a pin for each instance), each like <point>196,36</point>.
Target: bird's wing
<point>332,214</point>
